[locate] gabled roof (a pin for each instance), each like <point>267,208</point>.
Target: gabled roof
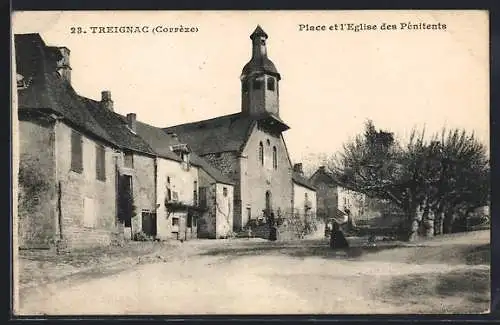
<point>161,142</point>
<point>158,140</point>
<point>302,181</point>
<point>47,90</point>
<point>224,133</point>
<point>221,134</point>
<point>323,176</point>
<point>116,126</point>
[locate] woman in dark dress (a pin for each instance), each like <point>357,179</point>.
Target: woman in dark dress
<point>337,238</point>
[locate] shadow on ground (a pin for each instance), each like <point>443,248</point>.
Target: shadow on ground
<point>298,249</point>
<point>383,252</point>
<point>465,291</point>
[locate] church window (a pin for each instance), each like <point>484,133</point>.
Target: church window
<point>245,86</point>
<point>261,153</point>
<point>275,158</point>
<point>270,84</point>
<point>257,84</point>
<point>268,142</point>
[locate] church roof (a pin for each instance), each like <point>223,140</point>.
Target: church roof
<point>161,142</point>
<point>220,134</point>
<point>259,63</point>
<point>224,133</point>
<point>258,32</point>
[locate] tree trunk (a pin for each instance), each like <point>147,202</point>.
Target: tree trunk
<point>413,219</point>
<point>438,223</point>
<point>447,222</point>
<point>428,223</point>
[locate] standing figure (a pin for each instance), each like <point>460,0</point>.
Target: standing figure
<point>337,238</point>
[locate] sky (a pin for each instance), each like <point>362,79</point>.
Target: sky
<point>332,81</point>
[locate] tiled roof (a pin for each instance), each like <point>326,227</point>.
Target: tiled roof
<point>47,90</point>
<point>116,126</point>
<point>301,180</point>
<point>160,142</point>
<point>221,134</point>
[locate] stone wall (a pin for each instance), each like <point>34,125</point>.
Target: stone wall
<point>37,223</point>
<point>143,186</point>
<point>182,183</point>
<point>224,210</point>
<point>257,179</point>
<point>302,196</point>
<point>88,205</point>
<point>229,164</point>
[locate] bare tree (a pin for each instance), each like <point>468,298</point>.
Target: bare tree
<point>424,178</point>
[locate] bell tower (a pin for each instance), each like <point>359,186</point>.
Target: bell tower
<point>260,80</point>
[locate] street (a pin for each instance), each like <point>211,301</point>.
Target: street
<point>258,277</point>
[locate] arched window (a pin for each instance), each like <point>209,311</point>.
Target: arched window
<point>270,84</point>
<point>275,158</point>
<point>261,153</point>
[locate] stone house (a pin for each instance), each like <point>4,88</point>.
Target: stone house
<point>135,167</point>
<point>66,173</point>
<point>193,198</point>
<point>334,199</point>
<point>248,147</point>
<point>304,193</point>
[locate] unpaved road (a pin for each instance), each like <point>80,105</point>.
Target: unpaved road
<point>249,278</point>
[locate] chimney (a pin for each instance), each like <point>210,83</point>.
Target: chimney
<point>106,100</point>
<point>297,168</point>
<point>132,121</point>
<point>63,66</point>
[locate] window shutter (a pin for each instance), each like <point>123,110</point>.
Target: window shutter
<point>100,163</point>
<point>76,152</point>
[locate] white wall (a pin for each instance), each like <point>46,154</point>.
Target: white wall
<point>224,210</point>
<point>299,195</point>
<point>182,182</point>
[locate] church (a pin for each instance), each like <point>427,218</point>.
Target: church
<point>89,175</point>
<point>249,148</point>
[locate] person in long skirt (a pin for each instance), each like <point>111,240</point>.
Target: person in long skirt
<point>337,238</point>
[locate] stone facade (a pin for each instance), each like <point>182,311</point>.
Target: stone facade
<point>37,221</point>
<point>257,179</point>
<point>74,208</point>
<point>88,205</point>
<point>142,175</point>
<point>304,200</point>
<point>178,183</point>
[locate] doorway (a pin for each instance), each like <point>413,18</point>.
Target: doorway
<point>149,223</point>
<point>269,205</point>
<point>125,200</point>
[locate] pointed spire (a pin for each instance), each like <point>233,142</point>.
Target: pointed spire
<point>258,32</point>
